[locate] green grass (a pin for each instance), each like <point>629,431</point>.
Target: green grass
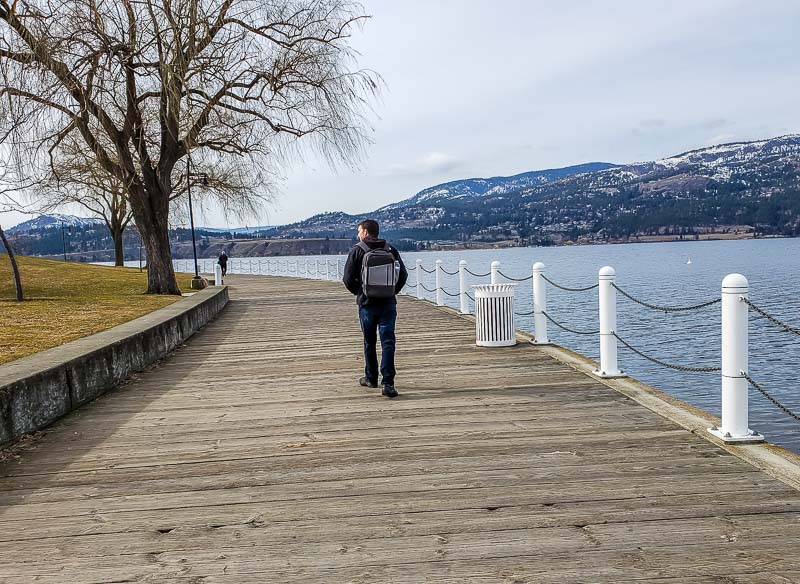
<point>65,301</point>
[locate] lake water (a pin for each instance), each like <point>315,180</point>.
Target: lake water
<point>657,273</point>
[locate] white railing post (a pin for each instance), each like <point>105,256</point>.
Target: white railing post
<point>735,425</point>
<point>493,272</point>
<point>339,274</point>
<point>539,306</point>
<point>608,324</point>
<point>419,279</point>
<point>218,281</point>
<point>439,293</point>
<point>318,268</point>
<point>462,286</point>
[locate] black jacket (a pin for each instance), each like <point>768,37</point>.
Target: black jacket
<point>352,272</point>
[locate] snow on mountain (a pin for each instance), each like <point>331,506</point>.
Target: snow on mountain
<point>54,220</point>
<point>498,185</point>
<point>721,161</point>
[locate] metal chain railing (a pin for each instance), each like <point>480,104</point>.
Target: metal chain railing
<point>568,289</point>
<point>666,308</point>
<point>424,287</point>
<point>470,296</point>
<point>426,270</point>
<point>525,313</point>
<point>450,293</point>
<point>569,330</point>
<point>772,319</point>
<point>663,363</point>
<point>477,275</point>
<point>782,407</point>
<point>515,279</point>
<point>450,273</point>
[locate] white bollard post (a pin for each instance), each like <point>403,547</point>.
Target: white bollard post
<point>339,274</point>
<point>419,279</point>
<point>318,269</point>
<point>218,281</point>
<point>462,286</point>
<point>439,293</point>
<point>735,426</point>
<point>539,306</point>
<point>608,324</point>
<point>494,269</point>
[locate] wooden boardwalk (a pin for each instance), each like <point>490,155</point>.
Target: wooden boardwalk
<point>252,455</point>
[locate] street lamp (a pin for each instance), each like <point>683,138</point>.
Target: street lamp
<point>64,239</point>
<point>140,249</point>
<point>204,180</point>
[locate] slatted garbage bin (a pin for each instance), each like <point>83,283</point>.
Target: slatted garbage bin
<point>494,315</point>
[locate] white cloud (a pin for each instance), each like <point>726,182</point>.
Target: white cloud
<point>429,164</point>
<point>721,139</point>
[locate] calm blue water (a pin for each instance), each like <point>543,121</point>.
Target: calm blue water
<point>657,273</point>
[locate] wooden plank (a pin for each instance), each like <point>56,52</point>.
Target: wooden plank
<point>250,455</point>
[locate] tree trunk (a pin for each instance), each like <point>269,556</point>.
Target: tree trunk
<point>119,250</point>
<point>150,214</point>
<point>14,267</point>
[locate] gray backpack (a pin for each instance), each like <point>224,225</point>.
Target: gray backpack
<point>379,271</point>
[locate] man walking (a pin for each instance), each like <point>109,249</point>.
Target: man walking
<point>223,262</point>
<point>375,273</point>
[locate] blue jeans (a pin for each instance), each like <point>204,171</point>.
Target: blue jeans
<point>379,319</point>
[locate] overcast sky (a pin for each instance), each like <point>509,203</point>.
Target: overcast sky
<point>479,88</point>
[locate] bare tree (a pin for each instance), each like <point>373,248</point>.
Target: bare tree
<point>145,83</point>
<point>77,179</point>
<point>14,267</point>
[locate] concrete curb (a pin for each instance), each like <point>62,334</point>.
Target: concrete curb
<point>37,390</point>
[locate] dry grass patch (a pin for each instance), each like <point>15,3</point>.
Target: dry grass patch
<point>65,301</point>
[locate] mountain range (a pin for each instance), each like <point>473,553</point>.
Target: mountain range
<point>742,189</point>
<point>52,221</point>
<point>752,187</point>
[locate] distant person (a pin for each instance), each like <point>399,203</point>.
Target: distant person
<point>223,262</point>
<point>375,273</point>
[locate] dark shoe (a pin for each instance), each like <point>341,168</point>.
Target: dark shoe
<point>364,382</point>
<point>389,391</point>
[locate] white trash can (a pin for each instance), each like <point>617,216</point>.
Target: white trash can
<point>494,315</point>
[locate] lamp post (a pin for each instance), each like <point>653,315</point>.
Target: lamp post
<point>140,249</point>
<point>204,177</point>
<point>64,239</point>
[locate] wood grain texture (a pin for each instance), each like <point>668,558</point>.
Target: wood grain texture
<point>252,455</point>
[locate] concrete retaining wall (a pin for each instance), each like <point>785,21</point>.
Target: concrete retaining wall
<point>37,390</point>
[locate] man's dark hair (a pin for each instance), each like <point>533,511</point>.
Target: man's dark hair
<point>370,226</point>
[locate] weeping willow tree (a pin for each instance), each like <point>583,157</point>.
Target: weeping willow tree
<point>144,84</point>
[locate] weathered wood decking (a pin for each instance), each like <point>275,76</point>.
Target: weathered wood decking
<point>252,455</point>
